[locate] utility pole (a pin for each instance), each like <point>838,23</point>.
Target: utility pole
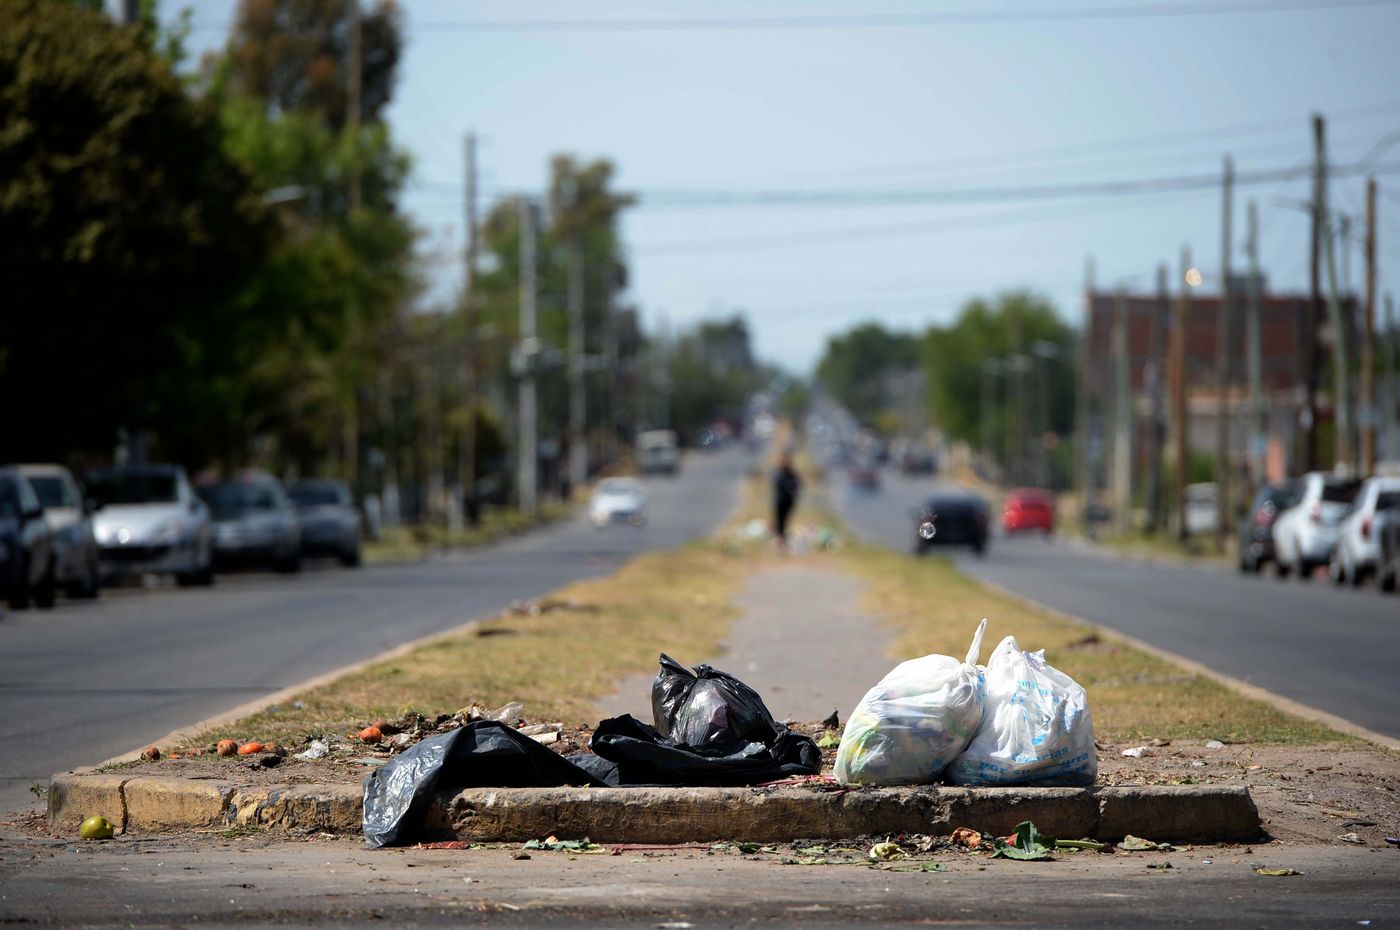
<point>466,462</point>
<point>1314,317</point>
<point>1341,373</point>
<point>1122,417</point>
<point>1161,314</point>
<point>578,410</point>
<point>527,466</point>
<point>1083,464</point>
<point>610,353</point>
<point>1367,401</point>
<point>1258,428</point>
<point>1180,425</point>
<point>1392,450</point>
<point>1222,361</point>
<point>354,74</point>
<point>131,12</point>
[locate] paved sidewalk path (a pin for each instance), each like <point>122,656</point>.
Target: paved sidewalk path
<point>801,641</point>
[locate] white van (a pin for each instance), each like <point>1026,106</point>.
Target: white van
<point>658,452</point>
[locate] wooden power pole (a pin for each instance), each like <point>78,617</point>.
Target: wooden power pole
<point>1180,413</point>
<point>1367,401</point>
<point>467,458</point>
<point>1084,465</point>
<point>1222,360</point>
<point>1314,315</point>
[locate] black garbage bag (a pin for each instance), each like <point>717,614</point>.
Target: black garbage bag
<point>708,710</point>
<point>642,757</point>
<point>484,754</point>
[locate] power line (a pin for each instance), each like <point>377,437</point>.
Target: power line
<point>969,17</point>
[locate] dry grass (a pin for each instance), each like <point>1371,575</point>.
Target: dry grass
<point>1133,695</point>
<point>557,664</point>
<point>409,542</point>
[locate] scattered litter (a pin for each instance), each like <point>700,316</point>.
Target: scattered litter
<point>919,718</point>
<point>371,735</point>
<point>1132,843</point>
<point>674,925</point>
<point>1393,840</point>
<point>511,714</point>
<point>400,741</point>
<point>833,722</point>
<point>554,844</point>
<point>1159,865</point>
<point>519,855</point>
<point>1027,843</point>
<point>544,605</point>
<point>1197,764</point>
<point>1137,752</point>
<point>887,851</point>
<point>373,761</point>
<point>966,836</point>
<point>444,844</point>
<point>1085,641</point>
<point>535,729</point>
<point>318,749</point>
<point>667,847</point>
<point>545,739</point>
<point>1352,838</point>
<point>829,739</point>
<point>96,827</point>
<point>1091,845</point>
<point>1215,744</point>
<point>150,754</point>
<point>1036,730</point>
<point>227,747</point>
<point>1358,822</point>
<point>1276,872</point>
<point>249,749</point>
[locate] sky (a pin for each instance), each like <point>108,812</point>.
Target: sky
<point>954,120</point>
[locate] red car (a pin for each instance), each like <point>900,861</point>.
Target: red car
<point>1027,510</point>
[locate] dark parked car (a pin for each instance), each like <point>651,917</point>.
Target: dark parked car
<point>1256,535</point>
<point>26,544</point>
<point>330,524</point>
<point>254,522</point>
<point>952,520</point>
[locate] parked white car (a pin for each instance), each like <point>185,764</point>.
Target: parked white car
<point>618,500</point>
<point>1305,533</point>
<point>151,521</point>
<point>1358,547</point>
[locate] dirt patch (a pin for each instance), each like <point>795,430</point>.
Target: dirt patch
<point>1305,794</point>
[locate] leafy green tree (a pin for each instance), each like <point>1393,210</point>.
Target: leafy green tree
<point>124,230</point>
<point>713,374</point>
<point>856,363</point>
<point>295,54</point>
<point>1005,331</point>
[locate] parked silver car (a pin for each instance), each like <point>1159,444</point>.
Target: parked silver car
<point>151,521</point>
<point>254,522</point>
<point>329,522</point>
<point>75,559</point>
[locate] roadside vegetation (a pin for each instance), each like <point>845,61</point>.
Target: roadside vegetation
<point>560,654</point>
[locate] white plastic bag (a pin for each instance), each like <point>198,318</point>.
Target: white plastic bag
<point>913,723</point>
<point>1037,729</point>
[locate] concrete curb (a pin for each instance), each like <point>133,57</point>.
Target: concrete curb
<point>1190,813</point>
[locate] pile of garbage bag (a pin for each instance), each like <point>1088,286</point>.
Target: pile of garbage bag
<point>709,729</point>
<point>1016,721</point>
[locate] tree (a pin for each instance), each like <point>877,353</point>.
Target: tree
<point>295,54</point>
<point>712,374</point>
<point>855,367</point>
<point>126,228</point>
<point>1004,329</point>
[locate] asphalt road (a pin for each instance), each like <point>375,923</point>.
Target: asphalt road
<point>205,882</point>
<point>1331,648</point>
<point>90,680</point>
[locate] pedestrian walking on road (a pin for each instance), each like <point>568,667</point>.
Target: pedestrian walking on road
<point>786,486</point>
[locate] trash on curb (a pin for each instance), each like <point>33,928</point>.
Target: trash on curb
<point>707,710</point>
<point>96,827</point>
<point>887,851</point>
<point>318,749</point>
<point>1036,727</point>
<point>968,837</point>
<point>1276,872</point>
<point>1215,744</point>
<point>1393,840</point>
<point>1352,838</point>
<point>1137,752</point>
<point>1132,843</point>
<point>1027,844</point>
<point>554,844</point>
<point>915,721</point>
